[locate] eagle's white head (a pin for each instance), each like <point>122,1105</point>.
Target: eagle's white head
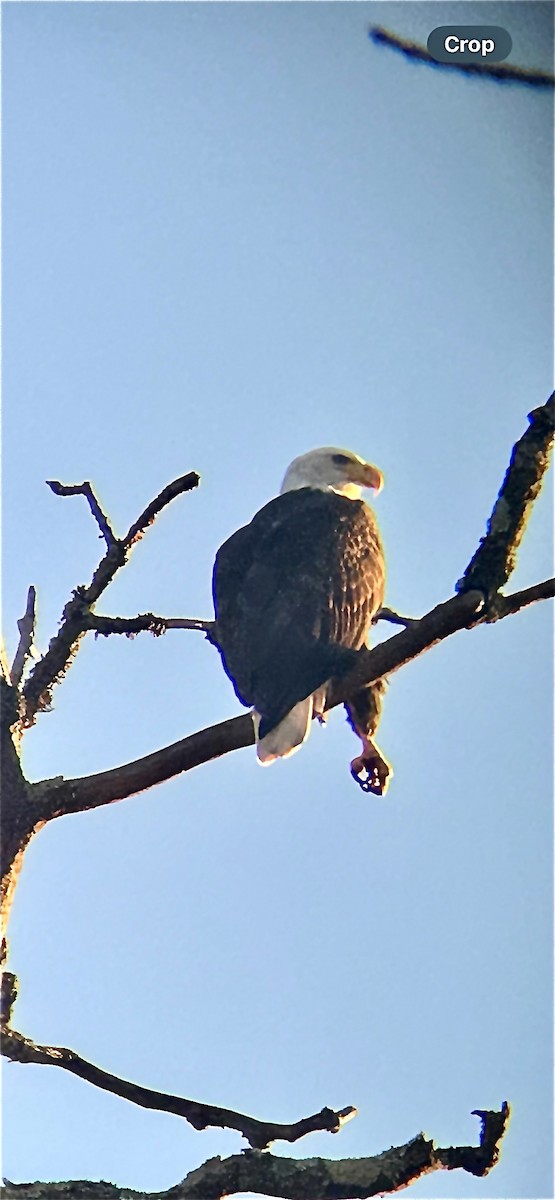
<point>332,470</point>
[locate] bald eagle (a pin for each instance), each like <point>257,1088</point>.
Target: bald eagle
<point>295,592</point>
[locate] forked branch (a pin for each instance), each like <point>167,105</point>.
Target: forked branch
<point>52,667</point>
<point>85,489</point>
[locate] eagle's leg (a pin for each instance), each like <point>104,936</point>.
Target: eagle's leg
<point>370,769</point>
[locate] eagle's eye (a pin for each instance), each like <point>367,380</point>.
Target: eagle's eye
<point>340,460</point>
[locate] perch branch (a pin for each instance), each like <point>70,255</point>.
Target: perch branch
<point>302,1179</point>
<point>62,796</point>
<point>144,622</point>
<point>52,667</point>
<point>26,628</point>
<point>501,72</point>
<point>459,612</point>
<point>259,1134</point>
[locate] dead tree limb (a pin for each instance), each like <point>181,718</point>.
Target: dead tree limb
<point>501,72</point>
<point>26,628</point>
<point>305,1179</point>
<point>495,559</point>
<point>143,622</point>
<point>185,483</point>
<point>85,489</point>
<point>259,1134</point>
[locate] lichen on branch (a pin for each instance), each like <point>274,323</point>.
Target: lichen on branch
<point>495,559</point>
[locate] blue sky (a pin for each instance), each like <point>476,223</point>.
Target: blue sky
<point>233,232</point>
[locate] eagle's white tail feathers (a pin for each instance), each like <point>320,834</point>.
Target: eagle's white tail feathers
<point>287,737</point>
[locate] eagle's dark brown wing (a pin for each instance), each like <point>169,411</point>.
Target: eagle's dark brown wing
<point>294,595</point>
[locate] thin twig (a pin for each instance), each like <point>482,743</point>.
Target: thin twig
<point>500,72</point>
<point>259,1134</point>
<point>185,483</point>
<point>85,489</point>
<point>394,618</point>
<point>144,623</point>
<point>26,626</point>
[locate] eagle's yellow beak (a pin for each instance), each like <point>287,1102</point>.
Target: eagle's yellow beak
<point>366,475</point>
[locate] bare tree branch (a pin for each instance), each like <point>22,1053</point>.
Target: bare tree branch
<point>144,622</point>
<point>505,606</point>
<point>5,672</point>
<point>85,489</point>
<point>345,1179</point>
<point>82,794</point>
<point>489,569</point>
<point>259,1134</point>
<point>62,796</point>
<point>52,667</point>
<point>501,72</point>
<point>495,558</point>
<point>26,626</point>
<point>460,612</point>
<point>305,1179</point>
<point>185,483</point>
